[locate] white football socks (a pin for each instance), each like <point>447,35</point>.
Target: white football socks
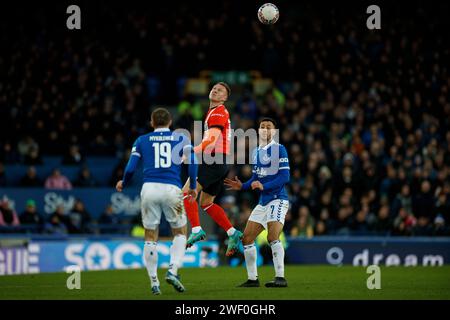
<point>250,261</point>
<point>177,251</point>
<point>151,261</point>
<point>196,229</point>
<point>231,231</point>
<point>278,257</point>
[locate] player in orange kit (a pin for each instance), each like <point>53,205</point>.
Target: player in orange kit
<point>216,143</point>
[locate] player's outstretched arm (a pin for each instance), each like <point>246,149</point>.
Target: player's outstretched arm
<point>129,171</point>
<point>210,139</point>
<point>233,184</point>
<point>188,152</point>
<point>281,179</point>
<point>236,184</point>
<point>248,183</point>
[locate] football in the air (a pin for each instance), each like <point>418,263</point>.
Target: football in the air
<point>268,13</point>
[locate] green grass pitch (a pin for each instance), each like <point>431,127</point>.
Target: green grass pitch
<point>305,282</point>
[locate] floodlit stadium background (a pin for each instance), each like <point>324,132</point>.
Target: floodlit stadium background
<point>364,114</point>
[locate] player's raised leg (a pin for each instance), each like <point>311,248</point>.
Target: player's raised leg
<point>274,229</point>
<point>252,230</point>
<point>220,217</point>
<point>191,207</point>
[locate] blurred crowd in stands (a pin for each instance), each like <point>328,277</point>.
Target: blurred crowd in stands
<point>364,115</point>
<point>64,221</point>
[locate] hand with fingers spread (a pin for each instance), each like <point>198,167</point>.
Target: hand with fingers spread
<point>235,184</point>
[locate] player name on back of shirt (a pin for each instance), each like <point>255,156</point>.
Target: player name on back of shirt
<point>161,138</point>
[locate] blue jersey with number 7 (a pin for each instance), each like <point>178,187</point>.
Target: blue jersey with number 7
<point>271,169</point>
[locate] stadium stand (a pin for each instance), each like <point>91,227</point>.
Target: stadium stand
<point>365,118</point>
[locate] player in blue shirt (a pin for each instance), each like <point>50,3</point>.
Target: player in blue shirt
<point>270,174</point>
<point>162,153</point>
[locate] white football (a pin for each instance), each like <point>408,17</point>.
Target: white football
<point>268,13</point>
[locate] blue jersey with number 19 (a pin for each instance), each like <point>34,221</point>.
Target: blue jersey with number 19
<point>161,152</point>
